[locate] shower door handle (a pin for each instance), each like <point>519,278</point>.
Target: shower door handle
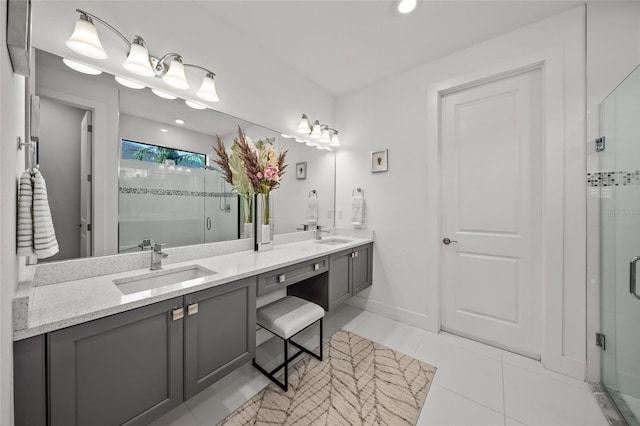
<point>208,224</point>
<point>632,277</point>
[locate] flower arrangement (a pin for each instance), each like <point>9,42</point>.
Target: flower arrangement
<point>251,168</point>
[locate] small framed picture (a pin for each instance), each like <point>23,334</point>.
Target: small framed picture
<point>301,170</point>
<point>379,161</point>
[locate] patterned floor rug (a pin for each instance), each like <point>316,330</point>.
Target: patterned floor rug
<point>359,382</point>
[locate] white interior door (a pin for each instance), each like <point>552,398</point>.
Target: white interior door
<point>491,201</point>
<point>85,185</point>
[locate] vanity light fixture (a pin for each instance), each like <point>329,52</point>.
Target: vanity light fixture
<point>407,6</point>
<point>128,83</point>
<point>195,105</point>
<point>179,121</point>
<point>316,133</point>
<point>325,135</point>
<point>163,95</point>
<point>170,67</point>
<point>77,66</point>
<point>335,140</point>
<point>304,127</point>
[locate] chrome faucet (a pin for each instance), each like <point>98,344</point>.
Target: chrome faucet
<point>156,257</point>
<point>305,227</point>
<point>319,231</point>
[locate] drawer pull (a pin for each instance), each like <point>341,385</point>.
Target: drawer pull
<point>353,255</point>
<point>316,266</point>
<point>356,254</point>
<point>178,314</point>
<point>281,278</point>
<point>192,309</point>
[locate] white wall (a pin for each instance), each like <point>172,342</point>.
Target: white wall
<point>12,107</point>
<point>393,114</point>
<point>59,164</point>
<point>613,51</point>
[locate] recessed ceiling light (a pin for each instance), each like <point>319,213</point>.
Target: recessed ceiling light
<point>195,105</point>
<point>163,95</point>
<point>128,83</point>
<point>407,6</point>
<point>77,66</point>
<point>164,130</point>
<point>179,121</point>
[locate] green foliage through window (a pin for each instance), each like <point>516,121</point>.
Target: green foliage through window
<point>158,154</point>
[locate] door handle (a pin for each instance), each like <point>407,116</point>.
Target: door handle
<point>632,277</point>
<point>447,241</point>
<point>208,224</point>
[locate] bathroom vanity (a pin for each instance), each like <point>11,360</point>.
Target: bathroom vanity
<point>129,358</point>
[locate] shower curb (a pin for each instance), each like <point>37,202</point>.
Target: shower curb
<point>608,407</point>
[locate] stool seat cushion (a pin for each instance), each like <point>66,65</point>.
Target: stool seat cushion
<point>287,316</point>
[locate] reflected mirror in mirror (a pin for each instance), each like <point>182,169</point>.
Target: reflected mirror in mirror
<point>126,168</point>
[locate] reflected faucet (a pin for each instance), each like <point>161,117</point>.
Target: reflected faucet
<point>156,257</point>
<point>319,231</point>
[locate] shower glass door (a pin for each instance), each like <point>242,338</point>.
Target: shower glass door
<point>619,182</point>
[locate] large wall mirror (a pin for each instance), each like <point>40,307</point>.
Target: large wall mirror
<point>122,164</point>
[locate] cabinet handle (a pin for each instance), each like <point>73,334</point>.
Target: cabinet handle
<point>178,314</point>
<point>281,278</point>
<point>353,255</point>
<point>356,254</point>
<point>192,309</point>
<point>316,266</point>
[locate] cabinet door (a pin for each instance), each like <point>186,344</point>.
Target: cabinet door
<point>123,369</point>
<point>339,274</point>
<point>29,382</point>
<point>220,332</point>
<point>361,267</point>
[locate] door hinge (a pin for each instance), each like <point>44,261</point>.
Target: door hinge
<point>601,340</point>
<point>88,178</point>
<point>600,144</point>
<point>90,128</point>
<point>89,227</point>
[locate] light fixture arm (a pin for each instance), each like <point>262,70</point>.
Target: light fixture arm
<point>89,16</point>
<point>209,73</point>
<point>160,64</point>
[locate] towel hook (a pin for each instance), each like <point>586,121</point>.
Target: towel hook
<point>359,191</point>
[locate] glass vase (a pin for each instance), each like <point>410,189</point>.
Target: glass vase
<point>264,228</point>
<point>246,204</point>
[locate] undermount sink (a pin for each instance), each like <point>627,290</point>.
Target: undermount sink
<point>154,280</point>
<point>333,241</point>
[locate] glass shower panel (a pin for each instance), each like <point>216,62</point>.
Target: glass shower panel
<point>221,208</point>
<point>619,182</point>
<point>161,202</point>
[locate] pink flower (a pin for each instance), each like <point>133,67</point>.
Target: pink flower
<point>259,175</point>
<point>271,173</point>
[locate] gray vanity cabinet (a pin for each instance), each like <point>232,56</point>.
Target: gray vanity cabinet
<point>219,332</point>
<point>362,266</point>
<point>349,273</point>
<point>126,369</point>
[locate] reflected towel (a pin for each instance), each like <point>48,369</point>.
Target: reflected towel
<point>44,236</point>
<point>312,210</point>
<point>25,215</point>
<point>357,210</point>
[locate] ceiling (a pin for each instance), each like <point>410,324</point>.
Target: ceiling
<point>345,45</point>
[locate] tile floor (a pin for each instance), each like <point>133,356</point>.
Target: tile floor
<point>475,384</point>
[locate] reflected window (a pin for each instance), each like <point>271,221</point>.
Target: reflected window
<point>132,150</point>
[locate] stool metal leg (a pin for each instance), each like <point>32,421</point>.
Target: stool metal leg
<point>286,365</point>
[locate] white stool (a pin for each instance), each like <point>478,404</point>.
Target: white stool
<point>285,318</point>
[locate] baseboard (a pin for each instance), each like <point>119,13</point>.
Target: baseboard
<point>404,316</point>
<point>575,368</point>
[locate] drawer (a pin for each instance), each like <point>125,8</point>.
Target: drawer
<point>280,278</point>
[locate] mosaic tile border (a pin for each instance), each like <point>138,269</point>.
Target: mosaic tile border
<point>174,192</point>
<point>597,179</point>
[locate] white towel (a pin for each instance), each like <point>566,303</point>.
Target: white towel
<point>36,235</point>
<point>312,210</point>
<point>357,210</point>
<point>44,236</point>
<point>25,215</point>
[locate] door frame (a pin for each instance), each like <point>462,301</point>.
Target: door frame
<point>550,63</point>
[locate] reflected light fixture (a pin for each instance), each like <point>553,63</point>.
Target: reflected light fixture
<point>309,143</point>
<point>179,121</point>
<point>407,6</point>
<point>169,67</point>
<point>128,83</point>
<point>299,140</point>
<point>163,95</point>
<point>304,127</point>
<point>164,130</point>
<point>286,136</point>
<point>77,66</point>
<point>195,105</point>
<point>335,140</point>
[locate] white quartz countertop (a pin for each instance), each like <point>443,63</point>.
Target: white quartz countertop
<point>56,306</point>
